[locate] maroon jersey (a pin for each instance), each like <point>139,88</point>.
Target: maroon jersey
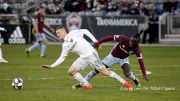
<point>40,22</point>
<point>122,49</point>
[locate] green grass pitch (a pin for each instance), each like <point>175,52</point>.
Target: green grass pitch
<point>55,85</point>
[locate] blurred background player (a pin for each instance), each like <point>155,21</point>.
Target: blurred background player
<point>120,55</point>
<point>2,60</point>
<point>41,40</point>
<point>74,42</point>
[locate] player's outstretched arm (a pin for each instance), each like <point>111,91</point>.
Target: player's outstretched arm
<point>97,44</point>
<point>143,69</point>
<point>105,39</point>
<point>48,26</point>
<point>46,66</point>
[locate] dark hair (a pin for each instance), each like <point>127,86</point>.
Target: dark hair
<point>136,37</point>
<point>41,7</point>
<point>59,27</point>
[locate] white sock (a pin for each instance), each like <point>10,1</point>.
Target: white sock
<point>80,78</point>
<point>132,76</point>
<point>1,54</point>
<point>117,77</point>
<point>43,49</point>
<point>35,45</point>
<point>91,74</point>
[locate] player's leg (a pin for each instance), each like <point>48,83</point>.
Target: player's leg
<point>73,71</point>
<point>112,74</point>
<point>91,74</point>
<point>35,45</point>
<point>128,73</point>
<point>43,45</point>
<point>107,61</point>
<point>95,62</point>
<point>2,60</point>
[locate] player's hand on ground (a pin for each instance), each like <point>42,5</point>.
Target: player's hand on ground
<point>96,45</point>
<point>145,78</point>
<point>46,66</point>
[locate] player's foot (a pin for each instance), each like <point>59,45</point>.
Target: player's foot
<point>128,86</point>
<point>42,56</point>
<point>76,86</point>
<point>27,52</point>
<point>87,87</point>
<point>3,61</point>
<point>137,83</point>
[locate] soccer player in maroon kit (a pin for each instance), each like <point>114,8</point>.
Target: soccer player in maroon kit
<point>41,40</point>
<point>120,55</point>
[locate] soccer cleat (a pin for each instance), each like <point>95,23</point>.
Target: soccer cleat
<point>27,52</point>
<point>87,87</point>
<point>137,83</point>
<point>128,86</point>
<point>42,56</point>
<point>76,86</point>
<point>3,61</point>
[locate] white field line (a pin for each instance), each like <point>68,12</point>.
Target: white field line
<point>132,66</point>
<point>113,43</point>
<point>49,78</point>
<point>156,65</point>
<point>150,66</point>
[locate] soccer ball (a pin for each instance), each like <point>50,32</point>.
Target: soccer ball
<point>17,83</point>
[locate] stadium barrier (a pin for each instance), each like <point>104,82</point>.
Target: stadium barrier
<point>100,26</point>
<point>169,28</point>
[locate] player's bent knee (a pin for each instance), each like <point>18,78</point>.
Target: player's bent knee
<point>126,69</point>
<point>72,71</point>
<point>104,71</point>
<point>45,41</point>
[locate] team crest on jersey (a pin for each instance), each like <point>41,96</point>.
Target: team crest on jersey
<point>71,40</point>
<point>117,36</point>
<point>123,46</point>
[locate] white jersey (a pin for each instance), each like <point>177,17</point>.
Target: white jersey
<point>75,42</point>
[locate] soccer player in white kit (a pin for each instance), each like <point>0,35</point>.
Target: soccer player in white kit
<point>2,60</point>
<point>74,42</point>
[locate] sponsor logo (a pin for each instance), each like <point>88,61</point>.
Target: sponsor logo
<point>116,22</point>
<point>54,21</point>
<point>73,21</point>
<point>17,37</point>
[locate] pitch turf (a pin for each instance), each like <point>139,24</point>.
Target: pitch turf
<point>55,85</point>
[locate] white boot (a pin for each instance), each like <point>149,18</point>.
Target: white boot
<point>1,58</point>
<point>3,61</point>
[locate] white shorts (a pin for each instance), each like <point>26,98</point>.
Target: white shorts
<point>110,60</point>
<point>40,37</point>
<point>92,60</point>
